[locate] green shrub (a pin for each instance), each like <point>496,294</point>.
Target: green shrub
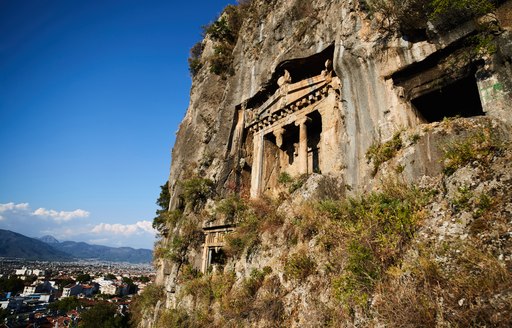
<point>298,182</point>
<point>260,216</point>
<point>200,290</point>
<point>222,283</point>
<point>65,304</point>
<point>245,237</point>
<point>284,178</point>
<point>381,153</point>
<point>194,60</point>
<point>362,237</point>
<point>196,191</point>
<point>461,201</point>
<point>166,221</point>
<point>362,271</point>
<point>483,204</point>
<point>292,183</point>
<point>479,146</point>
<point>224,31</point>
<point>408,16</point>
<point>104,313</point>
<point>448,13</point>
<point>232,208</point>
<point>240,302</point>
<point>222,60</point>
<point>332,208</point>
<point>252,284</point>
<point>189,237</point>
<point>145,301</point>
<point>188,272</point>
<point>299,266</point>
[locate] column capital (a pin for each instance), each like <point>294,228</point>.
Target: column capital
<point>302,120</point>
<point>278,131</point>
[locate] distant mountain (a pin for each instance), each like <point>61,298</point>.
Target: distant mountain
<point>83,250</point>
<point>49,239</point>
<point>104,253</point>
<point>15,245</point>
<point>47,248</point>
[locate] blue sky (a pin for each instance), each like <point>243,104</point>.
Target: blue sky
<point>91,95</point>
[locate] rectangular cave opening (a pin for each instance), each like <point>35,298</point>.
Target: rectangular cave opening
<point>460,98</point>
<point>290,142</point>
<point>216,256</point>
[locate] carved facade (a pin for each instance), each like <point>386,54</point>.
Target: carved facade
<point>212,246</point>
<point>294,130</point>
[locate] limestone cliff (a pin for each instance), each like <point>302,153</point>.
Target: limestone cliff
<point>342,167</point>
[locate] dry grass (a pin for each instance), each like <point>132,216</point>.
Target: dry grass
<point>462,291</point>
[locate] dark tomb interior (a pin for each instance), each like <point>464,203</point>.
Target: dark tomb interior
<point>314,134</point>
<point>218,257</point>
<point>459,98</point>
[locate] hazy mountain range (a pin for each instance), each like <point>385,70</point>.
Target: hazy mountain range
<point>15,245</point>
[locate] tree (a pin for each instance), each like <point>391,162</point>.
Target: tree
<point>163,207</point>
<point>66,304</point>
<point>11,284</point>
<point>4,313</point>
<point>83,277</point>
<point>143,279</point>
<point>132,288</point>
<point>110,276</point>
<point>164,198</point>
<point>103,315</point>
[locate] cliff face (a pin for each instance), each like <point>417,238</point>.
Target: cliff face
<point>326,100</point>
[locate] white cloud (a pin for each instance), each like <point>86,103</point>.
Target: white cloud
<point>146,226</point>
<point>11,207</point>
<point>124,229</point>
<point>61,215</point>
<point>68,225</point>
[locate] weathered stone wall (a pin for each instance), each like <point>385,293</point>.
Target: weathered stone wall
<point>372,108</point>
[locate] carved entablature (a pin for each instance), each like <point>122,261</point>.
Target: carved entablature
<point>291,98</point>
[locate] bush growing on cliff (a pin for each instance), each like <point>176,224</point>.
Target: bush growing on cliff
<point>233,209</point>
<point>299,266</point>
<point>104,313</point>
<point>466,280</point>
<point>196,191</point>
<point>361,237</point>
<point>412,15</point>
<point>145,301</point>
<point>194,60</point>
<point>163,200</point>
<point>379,153</point>
<point>189,237</point>
<point>479,146</point>
<point>224,32</point>
<point>260,216</point>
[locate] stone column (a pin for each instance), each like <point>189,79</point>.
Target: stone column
<point>204,265</point>
<point>303,144</point>
<point>257,164</point>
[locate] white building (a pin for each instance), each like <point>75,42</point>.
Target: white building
<point>71,290</point>
<point>23,272</point>
<point>110,289</point>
